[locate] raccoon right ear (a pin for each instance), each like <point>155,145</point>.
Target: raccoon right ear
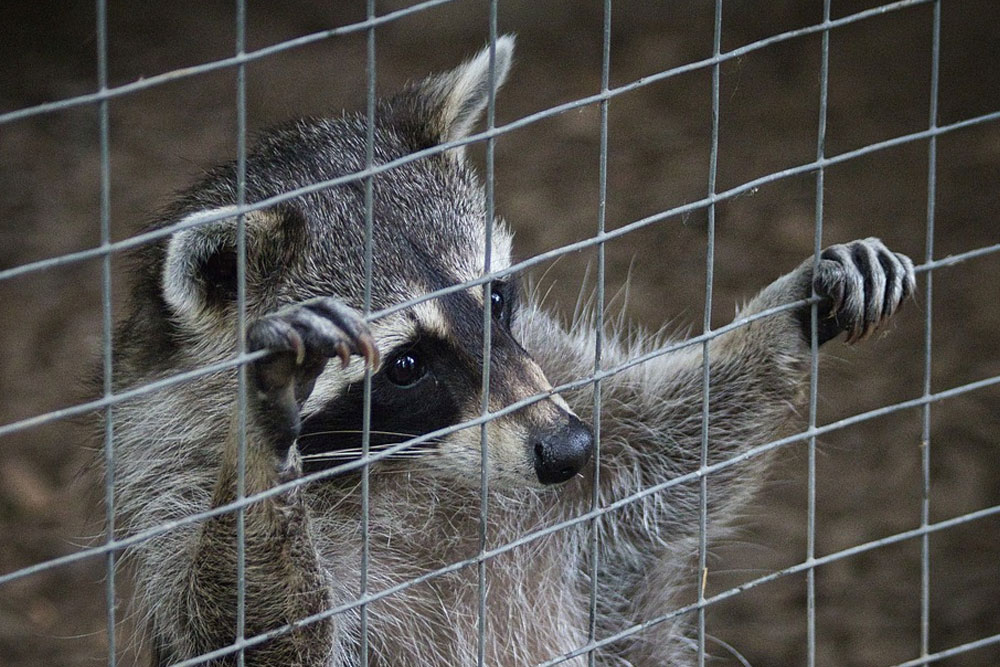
<point>199,269</point>
<point>456,99</point>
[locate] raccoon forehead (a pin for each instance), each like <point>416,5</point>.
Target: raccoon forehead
<point>467,262</point>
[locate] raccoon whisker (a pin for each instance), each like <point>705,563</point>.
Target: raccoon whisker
<point>356,451</point>
<point>579,308</point>
<point>414,451</point>
<point>349,455</point>
<point>356,432</point>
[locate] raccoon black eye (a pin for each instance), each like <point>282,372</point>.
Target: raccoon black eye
<point>498,301</point>
<point>406,370</point>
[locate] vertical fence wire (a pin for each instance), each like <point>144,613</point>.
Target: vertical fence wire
<point>824,87</point>
<point>366,408</point>
<point>487,340</point>
<point>713,168</point>
<point>241,326</point>
<point>106,324</point>
<point>602,207</point>
<point>925,449</point>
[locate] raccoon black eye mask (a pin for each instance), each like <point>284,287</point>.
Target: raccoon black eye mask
<point>410,397</point>
<point>419,389</point>
<point>178,450</point>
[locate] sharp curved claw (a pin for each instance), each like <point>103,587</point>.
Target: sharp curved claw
<point>344,352</point>
<point>298,345</point>
<point>369,350</point>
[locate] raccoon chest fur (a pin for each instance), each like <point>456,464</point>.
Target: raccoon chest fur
<point>535,606</point>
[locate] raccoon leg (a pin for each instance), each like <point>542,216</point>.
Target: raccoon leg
<point>651,427</point>
<point>757,376</point>
<point>284,579</point>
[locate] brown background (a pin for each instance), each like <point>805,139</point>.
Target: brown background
<point>547,185</point>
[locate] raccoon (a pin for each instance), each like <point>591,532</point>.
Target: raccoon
<point>177,449</point>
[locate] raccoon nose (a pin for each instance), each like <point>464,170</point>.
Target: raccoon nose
<point>562,452</point>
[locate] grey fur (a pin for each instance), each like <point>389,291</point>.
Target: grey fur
<point>177,449</point>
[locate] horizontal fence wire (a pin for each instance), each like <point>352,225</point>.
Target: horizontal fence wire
<point>749,186</point>
<point>112,546</point>
<point>151,533</point>
<point>224,63</point>
<point>187,376</point>
<point>628,632</point>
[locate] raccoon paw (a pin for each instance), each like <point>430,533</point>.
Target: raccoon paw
<point>861,284</point>
<point>301,339</point>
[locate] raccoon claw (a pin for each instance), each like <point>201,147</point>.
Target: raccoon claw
<point>861,284</point>
<point>302,338</point>
<point>358,339</point>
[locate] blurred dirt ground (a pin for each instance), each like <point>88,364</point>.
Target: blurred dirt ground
<point>869,475</point>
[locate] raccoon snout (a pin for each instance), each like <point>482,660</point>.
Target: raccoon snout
<point>562,450</point>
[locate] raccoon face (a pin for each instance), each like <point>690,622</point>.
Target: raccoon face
<point>431,379</point>
<point>429,232</point>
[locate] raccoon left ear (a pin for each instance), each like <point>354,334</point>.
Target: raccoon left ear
<point>199,270</point>
<point>458,98</point>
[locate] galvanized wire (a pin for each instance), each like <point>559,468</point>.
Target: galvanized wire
<point>735,191</point>
<point>187,376</point>
<point>487,343</point>
<point>148,237</point>
<point>587,516</point>
<point>366,406</point>
<point>111,546</point>
<point>925,441</point>
<point>241,328</point>
<point>161,529</point>
<point>824,89</point>
<point>800,567</point>
<point>104,131</point>
<point>639,627</point>
<point>713,169</point>
<point>224,63</point>
<point>599,308</point>
<point>955,650</point>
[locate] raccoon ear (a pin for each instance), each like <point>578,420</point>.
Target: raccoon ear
<point>199,268</point>
<point>458,98</point>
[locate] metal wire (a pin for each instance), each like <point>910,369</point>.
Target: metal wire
<point>599,308</point>
<point>224,63</point>
<point>800,567</point>
<point>713,169</point>
<point>925,504</point>
<point>824,87</point>
<point>951,652</point>
<point>366,408</point>
<point>142,536</point>
<point>639,627</point>
<point>735,191</point>
<point>107,329</point>
<point>112,545</point>
<point>241,328</point>
<point>487,340</point>
<point>149,237</point>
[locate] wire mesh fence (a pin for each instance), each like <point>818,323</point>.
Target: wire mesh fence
<point>718,189</point>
